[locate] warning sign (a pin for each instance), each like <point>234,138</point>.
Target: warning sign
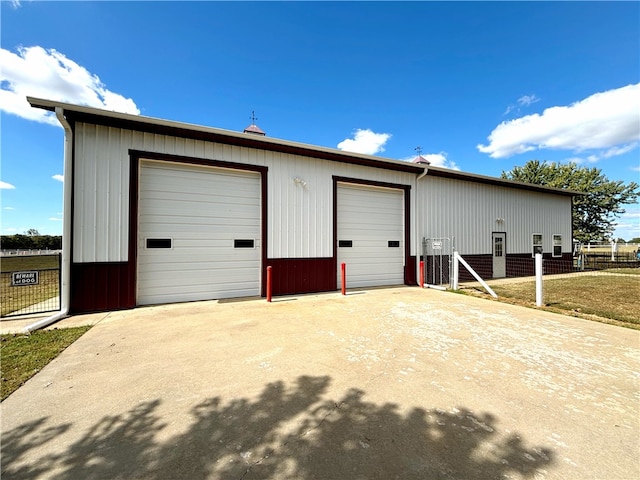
<point>436,244</point>
<point>19,279</point>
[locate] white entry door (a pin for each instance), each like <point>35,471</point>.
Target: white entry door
<point>499,241</point>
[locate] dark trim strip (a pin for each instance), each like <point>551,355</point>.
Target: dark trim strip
<point>370,183</point>
<point>498,182</point>
<point>165,127</point>
<point>134,173</point>
<point>409,267</point>
<point>167,157</point>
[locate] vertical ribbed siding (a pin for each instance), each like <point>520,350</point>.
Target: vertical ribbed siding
<point>300,217</point>
<point>469,212</point>
<point>101,198</point>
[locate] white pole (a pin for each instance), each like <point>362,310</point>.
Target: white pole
<point>475,275</point>
<point>65,257</point>
<point>538,279</point>
<point>613,250</point>
<point>456,269</point>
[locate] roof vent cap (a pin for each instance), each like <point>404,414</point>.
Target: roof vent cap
<point>420,158</point>
<point>253,128</point>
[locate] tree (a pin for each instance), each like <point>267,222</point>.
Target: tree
<point>596,210</point>
<point>31,242</point>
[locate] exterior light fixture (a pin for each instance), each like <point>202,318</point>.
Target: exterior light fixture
<point>300,181</point>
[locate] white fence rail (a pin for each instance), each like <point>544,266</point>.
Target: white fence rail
<point>12,253</point>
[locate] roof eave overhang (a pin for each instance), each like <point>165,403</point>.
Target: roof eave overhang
<point>78,113</point>
<point>96,116</point>
<point>501,182</point>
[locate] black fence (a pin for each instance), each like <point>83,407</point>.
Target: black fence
<point>29,284</point>
<point>604,261</point>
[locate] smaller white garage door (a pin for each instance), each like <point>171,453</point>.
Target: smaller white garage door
<point>198,233</point>
<point>371,235</point>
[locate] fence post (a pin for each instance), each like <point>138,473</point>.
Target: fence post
<point>538,279</point>
<point>343,268</point>
<point>421,273</point>
<point>60,280</point>
<point>456,271</point>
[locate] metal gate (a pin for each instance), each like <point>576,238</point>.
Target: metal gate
<point>30,284</point>
<point>437,254</point>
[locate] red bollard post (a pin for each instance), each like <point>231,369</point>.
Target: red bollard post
<point>269,283</point>
<point>421,273</point>
<point>343,266</point>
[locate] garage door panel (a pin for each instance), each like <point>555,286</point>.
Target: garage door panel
<point>202,210</point>
<point>222,210</point>
<point>370,217</point>
<point>374,245</point>
<point>160,265</point>
<point>223,202</point>
<point>202,240</point>
<point>196,280</point>
<point>173,296</point>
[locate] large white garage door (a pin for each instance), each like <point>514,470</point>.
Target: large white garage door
<point>371,235</point>
<point>198,233</point>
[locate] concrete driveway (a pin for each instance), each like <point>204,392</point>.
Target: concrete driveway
<point>381,384</point>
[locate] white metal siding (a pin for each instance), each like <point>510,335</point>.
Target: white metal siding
<point>202,210</point>
<point>370,217</point>
<point>300,223</point>
<point>470,212</point>
<point>300,215</point>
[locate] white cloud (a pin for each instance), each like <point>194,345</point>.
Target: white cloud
<point>58,177</point>
<point>636,168</point>
<point>8,208</point>
<point>440,160</point>
<point>628,225</point>
<point>365,141</point>
<point>605,120</point>
<point>523,101</point>
<point>527,100</point>
<point>15,4</point>
<point>6,186</point>
<point>47,73</point>
<point>436,160</point>
<point>609,153</point>
<point>55,219</point>
<point>10,229</point>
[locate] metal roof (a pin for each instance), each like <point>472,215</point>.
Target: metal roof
<point>253,128</point>
<point>151,124</point>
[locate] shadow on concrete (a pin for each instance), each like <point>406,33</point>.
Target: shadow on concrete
<point>287,432</point>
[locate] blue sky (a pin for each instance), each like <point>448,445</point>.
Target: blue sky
<point>480,87</point>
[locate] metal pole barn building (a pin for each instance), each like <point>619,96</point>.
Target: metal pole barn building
<point>157,211</point>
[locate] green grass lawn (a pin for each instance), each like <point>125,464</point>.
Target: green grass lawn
<point>610,298</point>
<point>22,356</point>
<point>28,262</point>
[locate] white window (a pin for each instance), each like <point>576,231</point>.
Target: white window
<point>557,245</point>
<point>537,243</point>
